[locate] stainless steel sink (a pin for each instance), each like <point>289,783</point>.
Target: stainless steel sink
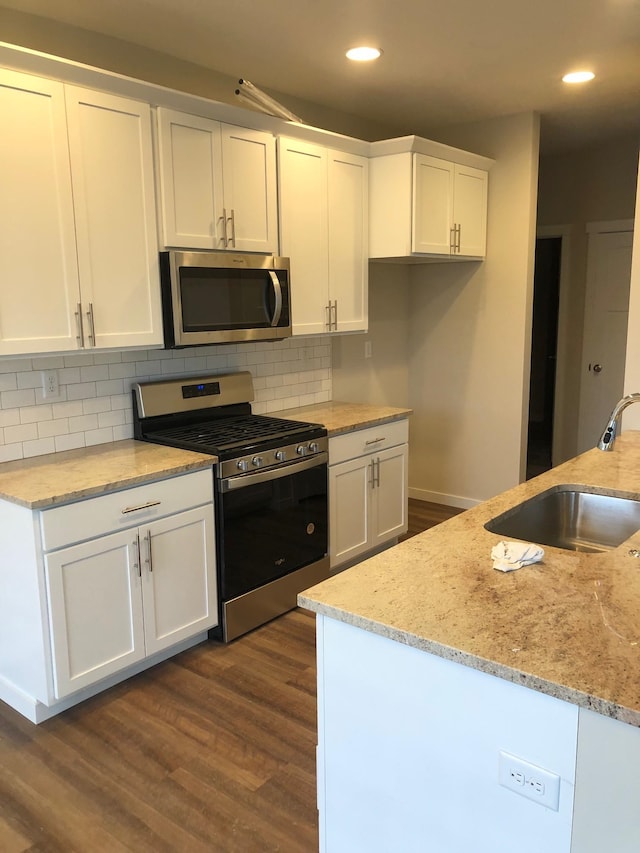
<point>568,517</point>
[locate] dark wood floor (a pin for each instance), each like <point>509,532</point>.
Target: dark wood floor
<point>213,750</point>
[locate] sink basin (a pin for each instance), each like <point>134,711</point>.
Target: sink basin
<point>569,517</point>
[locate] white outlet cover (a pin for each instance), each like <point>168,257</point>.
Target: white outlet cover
<point>537,784</point>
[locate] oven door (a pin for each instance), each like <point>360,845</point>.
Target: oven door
<point>271,524</point>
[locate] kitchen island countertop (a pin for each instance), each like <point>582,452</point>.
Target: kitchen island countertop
<point>56,478</point>
<point>339,417</point>
<point>568,626</point>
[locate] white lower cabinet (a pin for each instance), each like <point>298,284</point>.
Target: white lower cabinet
<point>115,600</point>
<point>368,490</point>
<point>97,590</point>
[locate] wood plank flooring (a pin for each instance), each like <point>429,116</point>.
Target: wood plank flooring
<point>213,750</point>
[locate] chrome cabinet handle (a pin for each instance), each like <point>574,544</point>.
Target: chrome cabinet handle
<point>335,315</point>
<point>225,239</point>
<point>141,506</point>
<point>79,329</point>
<point>92,328</point>
<point>277,292</point>
<point>372,479</point>
<point>376,440</point>
<point>452,240</point>
<point>232,219</point>
<point>378,472</point>
<point>137,565</point>
<point>458,229</point>
<point>327,308</point>
<point>149,559</point>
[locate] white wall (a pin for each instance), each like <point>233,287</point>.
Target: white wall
<point>469,334</point>
<point>631,418</point>
<point>384,377</point>
<point>95,389</point>
<point>595,184</point>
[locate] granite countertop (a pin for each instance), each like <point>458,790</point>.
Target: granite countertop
<point>45,481</point>
<point>568,626</point>
<point>339,417</point>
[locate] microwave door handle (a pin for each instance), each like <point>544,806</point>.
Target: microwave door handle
<point>277,292</point>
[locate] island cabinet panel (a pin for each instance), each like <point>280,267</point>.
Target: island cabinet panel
<point>218,184</point>
<point>368,490</point>
<point>77,212</point>
<point>104,599</point>
<point>408,752</point>
<point>324,233</point>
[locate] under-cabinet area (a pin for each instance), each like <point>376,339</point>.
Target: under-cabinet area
<point>101,587</point>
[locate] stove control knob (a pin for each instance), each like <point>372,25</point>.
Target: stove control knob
<point>302,450</point>
<point>314,447</point>
<point>241,465</point>
<point>281,455</point>
<point>257,461</point>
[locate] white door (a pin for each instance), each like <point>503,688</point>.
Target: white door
<point>304,232</point>
<point>38,267</point>
<point>432,204</point>
<point>190,172</point>
<point>348,211</point>
<point>250,189</point>
<point>390,499</point>
<point>178,577</point>
<point>605,331</point>
<point>470,210</point>
<point>349,497</point>
<point>112,174</point>
<point>95,610</point>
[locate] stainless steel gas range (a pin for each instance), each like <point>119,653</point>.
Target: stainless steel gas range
<point>270,490</point>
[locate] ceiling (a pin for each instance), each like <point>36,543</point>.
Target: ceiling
<point>443,63</point>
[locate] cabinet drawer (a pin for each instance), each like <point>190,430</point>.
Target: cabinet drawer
<point>369,440</point>
<point>93,517</point>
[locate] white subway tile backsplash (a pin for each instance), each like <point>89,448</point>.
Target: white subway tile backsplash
<point>17,399</point>
<point>95,389</point>
<point>38,447</point>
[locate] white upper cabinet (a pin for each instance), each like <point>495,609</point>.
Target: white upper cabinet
<point>79,259</point>
<point>113,190</point>
<point>427,207</point>
<point>324,232</point>
<point>218,185</point>
<point>38,267</point>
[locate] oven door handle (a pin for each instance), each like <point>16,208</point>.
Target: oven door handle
<point>230,484</point>
<point>277,292</point>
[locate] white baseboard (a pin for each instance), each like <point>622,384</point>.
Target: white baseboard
<point>441,498</point>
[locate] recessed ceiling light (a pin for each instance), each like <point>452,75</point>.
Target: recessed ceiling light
<point>363,54</point>
<point>578,77</point>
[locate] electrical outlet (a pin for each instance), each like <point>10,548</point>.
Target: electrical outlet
<point>530,781</point>
<point>50,386</point>
<point>367,349</point>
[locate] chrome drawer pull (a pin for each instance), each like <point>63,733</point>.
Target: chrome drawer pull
<point>142,506</point>
<point>376,440</point>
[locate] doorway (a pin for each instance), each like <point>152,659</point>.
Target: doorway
<point>544,345</point>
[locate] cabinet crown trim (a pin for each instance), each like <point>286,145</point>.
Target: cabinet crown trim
<point>419,145</point>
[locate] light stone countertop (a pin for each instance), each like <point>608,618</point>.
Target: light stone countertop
<point>339,417</point>
<point>45,481</point>
<point>568,626</point>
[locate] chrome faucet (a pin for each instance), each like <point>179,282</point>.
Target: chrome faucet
<point>608,437</point>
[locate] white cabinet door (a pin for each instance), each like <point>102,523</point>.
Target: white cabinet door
<point>349,496</point>
<point>38,267</point>
<point>390,495</point>
<point>178,577</point>
<point>112,175</point>
<point>250,189</point>
<point>304,232</point>
<point>190,172</point>
<point>470,210</point>
<point>433,180</point>
<point>348,210</point>
<point>218,184</point>
<point>95,610</point>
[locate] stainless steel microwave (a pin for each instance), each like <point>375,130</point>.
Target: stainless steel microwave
<point>224,297</point>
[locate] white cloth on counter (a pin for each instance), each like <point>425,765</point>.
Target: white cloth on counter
<point>508,556</point>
